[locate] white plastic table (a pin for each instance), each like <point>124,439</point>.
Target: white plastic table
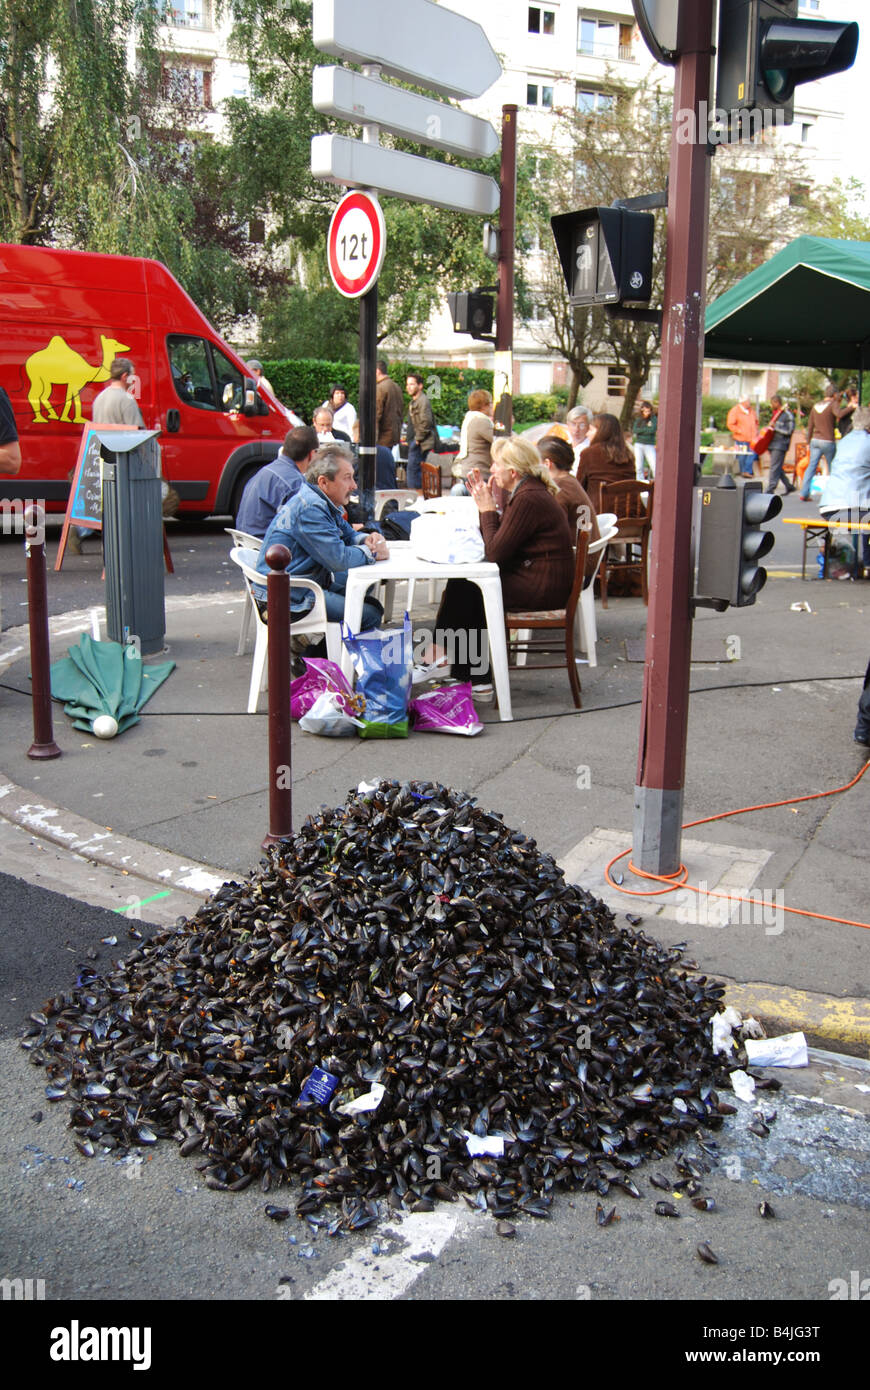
<point>403,564</point>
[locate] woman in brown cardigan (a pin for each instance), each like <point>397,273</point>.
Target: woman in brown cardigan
<point>531,543</point>
<point>607,459</point>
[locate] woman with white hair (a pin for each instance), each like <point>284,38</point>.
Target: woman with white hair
<point>578,421</point>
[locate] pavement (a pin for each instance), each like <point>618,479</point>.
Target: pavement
<point>140,829</point>
<point>179,803</point>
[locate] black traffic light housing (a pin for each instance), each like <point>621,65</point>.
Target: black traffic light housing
<point>471,312</point>
<point>765,51</point>
<point>729,542</point>
<point>606,255</point>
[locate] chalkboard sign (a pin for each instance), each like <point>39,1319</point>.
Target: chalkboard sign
<point>86,494</point>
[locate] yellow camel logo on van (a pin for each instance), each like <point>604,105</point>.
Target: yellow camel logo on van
<point>60,365</point>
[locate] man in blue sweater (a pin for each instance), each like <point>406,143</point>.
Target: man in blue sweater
<point>269,489</point>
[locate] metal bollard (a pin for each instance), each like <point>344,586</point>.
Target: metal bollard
<point>43,745</point>
<point>280,773</point>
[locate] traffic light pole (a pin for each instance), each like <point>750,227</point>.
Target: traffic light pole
<point>504,322</point>
<point>664,714</point>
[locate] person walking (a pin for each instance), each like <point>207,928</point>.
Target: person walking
<point>10,448</point>
<point>742,425</point>
<point>823,421</point>
<point>782,423</point>
<point>644,432</point>
<point>422,428</point>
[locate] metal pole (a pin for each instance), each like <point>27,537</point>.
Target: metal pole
<point>43,745</point>
<point>368,348</point>
<point>664,715</point>
<point>504,327</point>
<point>280,766</point>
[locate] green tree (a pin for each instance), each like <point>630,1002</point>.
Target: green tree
<point>840,211</point>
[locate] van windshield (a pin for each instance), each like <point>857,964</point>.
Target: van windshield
<point>202,376</point>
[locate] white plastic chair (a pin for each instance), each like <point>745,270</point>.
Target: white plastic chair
<point>314,622</point>
<point>587,630</point>
<point>249,542</point>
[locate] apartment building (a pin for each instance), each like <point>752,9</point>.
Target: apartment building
<point>559,56</point>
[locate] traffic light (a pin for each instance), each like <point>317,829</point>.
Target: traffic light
<point>765,51</point>
<point>471,312</point>
<point>729,542</point>
<point>606,255</point>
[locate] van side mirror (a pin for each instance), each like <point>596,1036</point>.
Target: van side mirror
<point>250,406</point>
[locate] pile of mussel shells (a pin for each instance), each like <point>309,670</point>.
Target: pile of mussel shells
<point>411,939</point>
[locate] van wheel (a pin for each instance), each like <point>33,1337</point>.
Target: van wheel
<point>240,485</point>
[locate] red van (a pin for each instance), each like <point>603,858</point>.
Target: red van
<point>64,316</point>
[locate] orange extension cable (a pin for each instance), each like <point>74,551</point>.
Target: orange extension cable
<point>681,877</point>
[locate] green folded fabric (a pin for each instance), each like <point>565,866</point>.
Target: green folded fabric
<point>97,678</point>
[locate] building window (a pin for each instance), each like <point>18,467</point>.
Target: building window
<point>798,195</point>
<point>538,95</point>
<point>188,84</point>
<point>541,21</point>
<point>588,101</point>
<point>616,382</point>
<point>190,14</point>
<point>604,38</point>
<point>240,84</point>
<point>813,5</point>
<point>806,131</point>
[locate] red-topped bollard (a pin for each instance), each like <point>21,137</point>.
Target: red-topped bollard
<point>43,745</point>
<point>280,789</point>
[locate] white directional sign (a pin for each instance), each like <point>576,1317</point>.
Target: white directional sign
<point>355,244</point>
<point>415,40</point>
<point>352,97</point>
<point>336,159</point>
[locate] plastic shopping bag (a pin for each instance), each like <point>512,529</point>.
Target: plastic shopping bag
<point>384,660</point>
<point>327,717</point>
<point>447,710</point>
<point>321,677</point>
<point>447,539</point>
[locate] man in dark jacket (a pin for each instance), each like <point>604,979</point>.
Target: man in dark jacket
<point>422,428</point>
<point>389,408</point>
<point>10,449</point>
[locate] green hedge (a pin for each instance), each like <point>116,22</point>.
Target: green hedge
<point>528,410</point>
<point>304,384</point>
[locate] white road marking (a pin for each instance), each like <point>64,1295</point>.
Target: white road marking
<point>388,1275</point>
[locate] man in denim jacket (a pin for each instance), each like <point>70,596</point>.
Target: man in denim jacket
<point>323,545</point>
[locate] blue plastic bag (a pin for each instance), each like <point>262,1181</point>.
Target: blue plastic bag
<point>384,661</point>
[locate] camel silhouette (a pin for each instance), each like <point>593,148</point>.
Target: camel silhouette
<point>60,365</point>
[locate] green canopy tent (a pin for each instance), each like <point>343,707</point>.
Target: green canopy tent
<point>808,306</point>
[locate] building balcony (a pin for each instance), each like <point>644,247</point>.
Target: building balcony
<point>609,52</point>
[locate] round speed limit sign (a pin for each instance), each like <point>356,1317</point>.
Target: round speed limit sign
<point>356,243</point>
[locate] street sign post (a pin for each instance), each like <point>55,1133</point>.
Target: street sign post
<point>337,159</point>
<point>416,40</point>
<point>355,244</point>
<point>351,97</point>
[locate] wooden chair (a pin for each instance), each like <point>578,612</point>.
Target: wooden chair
<point>633,525</point>
<point>431,479</point>
<point>552,619</point>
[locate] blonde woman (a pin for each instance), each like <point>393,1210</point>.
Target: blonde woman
<point>530,542</point>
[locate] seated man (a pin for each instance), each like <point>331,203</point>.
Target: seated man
<point>266,493</point>
<point>323,545</point>
<point>323,422</point>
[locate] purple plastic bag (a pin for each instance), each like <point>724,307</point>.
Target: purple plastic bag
<point>447,710</point>
<point>320,675</point>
